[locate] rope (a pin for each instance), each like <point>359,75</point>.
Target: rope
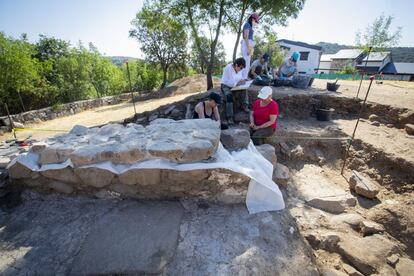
<point>38,129</point>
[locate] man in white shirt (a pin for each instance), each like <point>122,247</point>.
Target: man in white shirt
<point>232,77</point>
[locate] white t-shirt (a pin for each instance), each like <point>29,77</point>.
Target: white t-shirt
<point>230,76</point>
<point>256,63</point>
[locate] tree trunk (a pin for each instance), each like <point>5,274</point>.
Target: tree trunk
<point>164,77</point>
<point>239,30</point>
<point>210,64</point>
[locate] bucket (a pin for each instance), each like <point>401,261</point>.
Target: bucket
<point>332,86</point>
<point>301,81</point>
<point>324,114</point>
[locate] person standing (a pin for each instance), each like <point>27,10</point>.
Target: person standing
<point>232,77</point>
<point>247,43</point>
<point>263,116</point>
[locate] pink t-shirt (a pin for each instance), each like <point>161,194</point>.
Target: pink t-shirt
<point>261,114</point>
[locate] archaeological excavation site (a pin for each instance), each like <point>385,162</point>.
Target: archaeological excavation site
<point>159,193</point>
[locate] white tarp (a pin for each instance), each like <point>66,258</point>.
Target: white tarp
<point>263,194</point>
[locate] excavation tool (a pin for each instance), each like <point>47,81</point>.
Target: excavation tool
<point>356,125</point>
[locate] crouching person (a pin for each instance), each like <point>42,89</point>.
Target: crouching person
<point>263,116</point>
<point>208,109</point>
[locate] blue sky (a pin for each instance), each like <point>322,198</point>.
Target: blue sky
<point>106,23</point>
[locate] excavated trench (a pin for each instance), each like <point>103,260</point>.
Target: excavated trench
<point>314,152</point>
<point>344,229</point>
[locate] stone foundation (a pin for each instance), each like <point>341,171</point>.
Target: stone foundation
<point>134,161</point>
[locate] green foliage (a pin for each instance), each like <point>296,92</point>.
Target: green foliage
<point>268,44</point>
<point>50,72</point>
<point>378,35</point>
<point>17,70</point>
<point>57,107</point>
<point>271,13</point>
<point>349,70</point>
<point>162,39</point>
<point>196,57</point>
<point>144,76</point>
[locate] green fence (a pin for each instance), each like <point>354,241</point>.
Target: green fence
<point>340,76</point>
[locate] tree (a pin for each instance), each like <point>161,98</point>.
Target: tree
<point>196,57</point>
<point>51,48</point>
<point>268,44</point>
<point>271,13</point>
<point>378,35</point>
<point>163,39</point>
<point>202,18</point>
<point>17,71</point>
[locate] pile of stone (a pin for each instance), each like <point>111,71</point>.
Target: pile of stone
<point>130,160</point>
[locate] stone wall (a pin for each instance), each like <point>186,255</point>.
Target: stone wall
<point>50,113</point>
<point>133,161</point>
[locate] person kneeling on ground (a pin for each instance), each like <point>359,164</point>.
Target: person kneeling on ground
<point>263,116</point>
<point>288,67</point>
<point>209,108</point>
<point>232,77</point>
<point>261,78</point>
<point>263,62</point>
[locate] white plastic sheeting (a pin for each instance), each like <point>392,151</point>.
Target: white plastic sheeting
<point>263,194</point>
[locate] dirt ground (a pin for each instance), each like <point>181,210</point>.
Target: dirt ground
<point>92,117</point>
<point>394,93</point>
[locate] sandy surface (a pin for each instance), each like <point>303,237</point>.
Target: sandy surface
<point>392,141</point>
<point>92,117</point>
<point>394,93</point>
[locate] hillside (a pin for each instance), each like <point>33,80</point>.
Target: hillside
<point>119,60</point>
<point>399,54</point>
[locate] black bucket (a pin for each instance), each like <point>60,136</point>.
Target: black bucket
<point>324,114</point>
<point>332,86</point>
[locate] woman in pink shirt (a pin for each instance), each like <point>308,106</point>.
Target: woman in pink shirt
<point>263,116</point>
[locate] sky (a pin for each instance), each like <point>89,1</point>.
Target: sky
<point>106,23</point>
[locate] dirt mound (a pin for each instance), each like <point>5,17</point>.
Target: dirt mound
<point>187,85</point>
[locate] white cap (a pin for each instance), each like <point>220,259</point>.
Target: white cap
<point>265,92</point>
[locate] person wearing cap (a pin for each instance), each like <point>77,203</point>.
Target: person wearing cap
<point>247,43</point>
<point>208,109</point>
<point>263,62</point>
<point>263,116</point>
<point>232,77</point>
<point>288,67</point>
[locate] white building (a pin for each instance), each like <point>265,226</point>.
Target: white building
<point>310,55</point>
<point>325,64</point>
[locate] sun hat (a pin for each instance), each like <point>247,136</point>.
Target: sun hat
<point>265,92</point>
<point>295,56</point>
<point>255,16</point>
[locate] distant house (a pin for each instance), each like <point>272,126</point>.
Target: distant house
<point>374,62</point>
<point>325,64</point>
<point>344,57</point>
<point>309,58</point>
<point>398,71</point>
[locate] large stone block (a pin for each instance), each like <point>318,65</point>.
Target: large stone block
<point>65,175</point>
<point>141,177</point>
<point>235,138</point>
<point>95,177</point>
<point>367,254</point>
<point>268,152</point>
<point>363,185</point>
<point>177,141</point>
